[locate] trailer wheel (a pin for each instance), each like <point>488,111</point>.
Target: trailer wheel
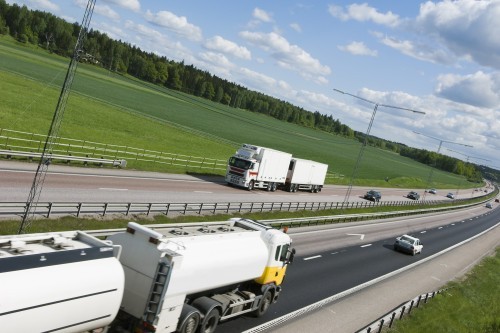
<point>290,188</point>
<point>210,322</point>
<point>251,185</point>
<point>295,187</point>
<point>274,187</point>
<point>190,319</point>
<point>265,302</point>
<point>269,186</point>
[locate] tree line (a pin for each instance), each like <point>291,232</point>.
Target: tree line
<point>58,36</point>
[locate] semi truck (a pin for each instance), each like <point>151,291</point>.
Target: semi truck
<point>264,168</point>
<point>174,279</point>
<point>258,167</point>
<point>305,175</point>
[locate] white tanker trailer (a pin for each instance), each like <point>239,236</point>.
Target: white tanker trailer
<point>179,279</point>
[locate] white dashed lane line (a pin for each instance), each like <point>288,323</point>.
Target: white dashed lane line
<point>313,257</point>
<point>366,245</point>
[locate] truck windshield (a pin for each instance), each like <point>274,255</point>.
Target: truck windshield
<point>239,163</point>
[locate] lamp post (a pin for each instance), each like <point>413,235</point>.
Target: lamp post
<point>441,141</point>
<point>467,161</point>
<point>361,150</point>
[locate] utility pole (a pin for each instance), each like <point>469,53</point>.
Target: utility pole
<point>53,134</point>
<point>361,150</point>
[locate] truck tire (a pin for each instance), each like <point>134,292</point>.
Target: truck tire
<point>269,187</point>
<point>251,185</point>
<point>210,322</point>
<point>265,302</point>
<point>274,187</point>
<point>189,320</point>
<point>290,188</point>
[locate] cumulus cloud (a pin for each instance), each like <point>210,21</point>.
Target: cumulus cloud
<point>468,28</point>
<point>128,4</point>
<point>262,15</point>
<point>478,89</point>
<point>44,5</point>
<point>174,23</point>
<point>288,56</point>
<point>103,10</point>
<point>220,44</point>
<point>358,48</point>
<point>363,12</point>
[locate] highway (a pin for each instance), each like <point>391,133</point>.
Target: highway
<point>78,184</point>
<point>336,259</point>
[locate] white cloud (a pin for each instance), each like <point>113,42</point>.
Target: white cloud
<point>478,89</point>
<point>296,27</point>
<point>177,24</point>
<point>363,12</point>
<point>220,44</point>
<point>44,5</point>
<point>358,48</point>
<point>103,10</point>
<point>420,51</point>
<point>466,27</point>
<point>262,15</point>
<point>128,4</point>
<point>288,56</point>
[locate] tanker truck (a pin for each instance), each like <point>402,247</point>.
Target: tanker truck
<point>174,279</point>
<point>258,167</point>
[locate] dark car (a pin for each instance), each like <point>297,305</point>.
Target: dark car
<point>450,195</point>
<point>413,195</point>
<point>373,195</point>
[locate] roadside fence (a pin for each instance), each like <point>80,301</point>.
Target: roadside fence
<point>48,209</point>
<point>388,319</point>
<point>24,142</point>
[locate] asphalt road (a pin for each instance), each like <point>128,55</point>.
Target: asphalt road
<point>78,184</point>
<point>320,274</point>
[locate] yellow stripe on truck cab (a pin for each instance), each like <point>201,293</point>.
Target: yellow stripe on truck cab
<point>272,274</point>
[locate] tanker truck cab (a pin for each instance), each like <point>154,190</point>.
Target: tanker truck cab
<point>191,278</point>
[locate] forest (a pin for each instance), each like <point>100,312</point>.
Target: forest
<point>57,36</point>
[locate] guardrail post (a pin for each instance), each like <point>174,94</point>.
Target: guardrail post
<point>418,301</point>
<point>402,312</point>
<point>272,206</point>
<point>79,208</point>
<point>185,208</point>
<point>201,208</point>
<point>261,207</point>
<point>49,209</point>
<point>392,319</point>
<point>215,208</point>
<point>426,297</point>
<point>227,210</point>
<point>241,205</point>
<point>128,208</point>
<point>105,209</point>
<point>149,208</point>
<point>251,207</point>
<point>381,325</point>
<point>411,306</point>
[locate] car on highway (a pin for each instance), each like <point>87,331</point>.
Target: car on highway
<point>413,195</point>
<point>408,244</point>
<point>432,191</point>
<point>450,195</point>
<point>373,195</point>
<point>489,205</point>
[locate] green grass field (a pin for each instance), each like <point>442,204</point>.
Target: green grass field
<point>113,109</point>
<point>472,305</point>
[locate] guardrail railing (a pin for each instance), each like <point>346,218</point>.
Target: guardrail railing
<point>397,314</point>
<point>66,158</point>
<point>48,209</point>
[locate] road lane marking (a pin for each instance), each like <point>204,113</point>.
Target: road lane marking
<point>366,245</point>
<point>203,192</point>
<point>423,232</point>
<point>113,189</point>
<point>440,228</point>
<point>361,236</point>
<point>314,257</point>
<point>334,252</point>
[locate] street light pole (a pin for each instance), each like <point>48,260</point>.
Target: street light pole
<point>361,150</point>
<point>441,141</point>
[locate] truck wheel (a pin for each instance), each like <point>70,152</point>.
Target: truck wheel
<point>270,187</point>
<point>265,302</point>
<point>251,185</point>
<point>290,188</point>
<point>274,187</point>
<point>295,187</point>
<point>190,319</point>
<point>210,322</point>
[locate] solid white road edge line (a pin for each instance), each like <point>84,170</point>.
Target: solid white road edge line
<point>333,298</point>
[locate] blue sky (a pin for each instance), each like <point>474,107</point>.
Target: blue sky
<point>439,57</point>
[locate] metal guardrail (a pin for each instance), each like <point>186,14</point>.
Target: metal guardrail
<point>48,209</point>
<point>67,158</point>
<point>397,314</point>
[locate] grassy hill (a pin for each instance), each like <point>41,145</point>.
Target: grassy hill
<point>114,109</point>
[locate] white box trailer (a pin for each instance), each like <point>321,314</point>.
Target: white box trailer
<point>305,175</point>
<point>258,167</point>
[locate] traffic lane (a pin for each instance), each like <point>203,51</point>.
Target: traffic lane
<point>313,239</point>
<point>315,277</point>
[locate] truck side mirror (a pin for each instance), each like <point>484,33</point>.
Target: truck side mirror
<point>291,256</point>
